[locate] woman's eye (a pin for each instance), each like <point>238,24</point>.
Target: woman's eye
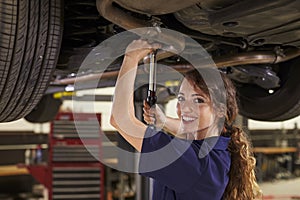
<point>198,100</point>
<point>180,98</point>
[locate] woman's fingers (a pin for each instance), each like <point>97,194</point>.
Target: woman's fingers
<point>149,111</point>
<point>141,48</point>
<point>149,114</point>
<point>146,105</point>
<point>148,119</point>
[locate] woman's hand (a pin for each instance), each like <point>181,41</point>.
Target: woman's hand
<point>154,115</point>
<point>138,49</point>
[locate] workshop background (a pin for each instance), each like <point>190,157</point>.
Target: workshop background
<point>50,161</point>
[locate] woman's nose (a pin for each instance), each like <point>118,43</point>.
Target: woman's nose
<point>186,107</point>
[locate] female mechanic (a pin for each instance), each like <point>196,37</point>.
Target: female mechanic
<point>202,157</point>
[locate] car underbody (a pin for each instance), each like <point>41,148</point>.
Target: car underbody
<point>256,43</point>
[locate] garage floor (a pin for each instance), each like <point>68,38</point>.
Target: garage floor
<point>281,189</point>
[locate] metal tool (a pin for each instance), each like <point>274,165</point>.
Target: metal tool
<point>151,98</point>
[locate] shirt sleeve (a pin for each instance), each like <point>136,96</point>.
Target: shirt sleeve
<point>172,161</point>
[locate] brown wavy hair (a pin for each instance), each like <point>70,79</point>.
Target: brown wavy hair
<point>242,183</point>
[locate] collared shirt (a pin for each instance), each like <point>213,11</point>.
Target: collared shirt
<point>185,169</point>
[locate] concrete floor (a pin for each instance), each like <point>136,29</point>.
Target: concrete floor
<point>281,189</point>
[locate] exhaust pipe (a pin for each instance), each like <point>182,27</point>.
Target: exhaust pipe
<point>256,57</point>
<point>119,17</point>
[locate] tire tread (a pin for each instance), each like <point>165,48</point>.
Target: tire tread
<point>29,58</point>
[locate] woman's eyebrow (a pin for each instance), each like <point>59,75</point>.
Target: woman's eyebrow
<point>197,95</point>
<point>193,95</point>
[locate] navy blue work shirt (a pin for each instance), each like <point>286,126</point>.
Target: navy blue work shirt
<point>185,169</point>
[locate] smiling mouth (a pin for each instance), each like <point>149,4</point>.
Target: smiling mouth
<point>187,119</point>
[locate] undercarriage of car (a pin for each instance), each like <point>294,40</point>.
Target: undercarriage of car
<point>256,43</point>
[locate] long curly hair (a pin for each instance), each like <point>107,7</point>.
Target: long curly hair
<point>242,183</point>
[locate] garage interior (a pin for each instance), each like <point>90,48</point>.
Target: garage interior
<point>60,159</point>
<point>76,156</point>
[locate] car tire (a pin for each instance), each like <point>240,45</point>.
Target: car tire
<point>30,39</point>
<point>256,103</point>
<point>45,111</point>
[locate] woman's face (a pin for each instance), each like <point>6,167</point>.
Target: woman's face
<point>194,108</point>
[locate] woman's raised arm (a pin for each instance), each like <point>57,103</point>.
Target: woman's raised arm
<point>123,114</point>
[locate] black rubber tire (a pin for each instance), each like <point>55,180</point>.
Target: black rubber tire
<point>30,39</point>
<point>283,104</point>
<point>45,111</point>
